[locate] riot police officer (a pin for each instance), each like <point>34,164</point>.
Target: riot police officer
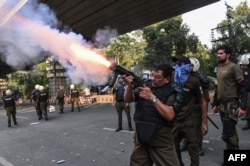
<point>10,106</point>
<point>74,97</point>
<point>185,127</point>
<point>244,64</point>
<point>42,102</point>
<point>33,97</point>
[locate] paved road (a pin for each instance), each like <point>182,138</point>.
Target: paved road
<point>85,138</point>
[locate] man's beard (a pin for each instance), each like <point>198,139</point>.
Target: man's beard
<point>222,60</point>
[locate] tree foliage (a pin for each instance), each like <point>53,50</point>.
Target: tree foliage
<point>167,39</point>
<point>127,49</point>
<point>240,26</point>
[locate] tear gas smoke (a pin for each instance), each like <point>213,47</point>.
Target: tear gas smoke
<point>32,30</point>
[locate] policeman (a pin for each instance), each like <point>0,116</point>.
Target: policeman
<point>42,101</point>
<point>244,64</point>
<point>74,96</point>
<point>195,66</point>
<point>230,96</point>
<point>120,105</point>
<point>60,97</point>
<point>10,106</point>
<point>185,126</point>
<point>33,97</point>
<point>154,115</point>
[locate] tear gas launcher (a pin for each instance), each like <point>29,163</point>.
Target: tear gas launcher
<point>118,70</point>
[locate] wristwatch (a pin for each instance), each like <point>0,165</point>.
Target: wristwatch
<point>154,100</point>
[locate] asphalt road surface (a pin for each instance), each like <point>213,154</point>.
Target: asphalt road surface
<point>86,138</point>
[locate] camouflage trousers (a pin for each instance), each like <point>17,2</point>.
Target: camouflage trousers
<point>11,112</point>
<point>227,109</point>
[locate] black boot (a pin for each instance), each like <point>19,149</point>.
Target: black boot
<point>130,128</point>
<point>119,127</point>
<point>201,152</point>
<point>247,126</point>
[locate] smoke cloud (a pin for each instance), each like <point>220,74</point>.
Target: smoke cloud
<point>33,30</point>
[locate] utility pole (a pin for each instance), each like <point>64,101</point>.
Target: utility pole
<point>230,33</point>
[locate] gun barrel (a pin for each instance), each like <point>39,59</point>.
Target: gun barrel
<point>120,70</point>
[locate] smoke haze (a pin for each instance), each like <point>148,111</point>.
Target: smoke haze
<point>32,30</point>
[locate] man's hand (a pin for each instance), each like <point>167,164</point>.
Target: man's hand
<point>146,93</point>
<point>240,112</point>
<point>127,79</point>
<point>215,110</point>
<point>204,128</point>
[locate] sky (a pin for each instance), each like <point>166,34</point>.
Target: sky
<point>202,20</point>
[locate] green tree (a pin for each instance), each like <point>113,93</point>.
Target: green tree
<point>127,49</point>
<point>240,26</point>
<point>25,81</point>
<point>167,39</point>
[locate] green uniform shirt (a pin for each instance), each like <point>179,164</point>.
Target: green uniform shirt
<point>191,90</point>
<point>227,76</point>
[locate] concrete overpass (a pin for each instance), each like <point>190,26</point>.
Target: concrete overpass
<point>86,16</point>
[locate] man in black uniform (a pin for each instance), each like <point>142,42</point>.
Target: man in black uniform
<point>244,64</point>
<point>154,115</point>
<point>33,97</point>
<point>10,106</point>
<point>120,105</point>
<point>185,127</point>
<point>42,101</point>
<point>74,97</point>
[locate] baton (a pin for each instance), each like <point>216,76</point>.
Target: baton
<point>212,122</point>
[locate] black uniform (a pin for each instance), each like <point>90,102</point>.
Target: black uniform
<point>42,101</point>
<point>246,73</point>
<point>74,94</point>
<point>34,95</point>
<point>154,142</point>
<point>10,107</point>
<point>60,98</point>
<point>120,105</point>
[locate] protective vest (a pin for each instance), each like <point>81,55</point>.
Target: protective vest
<point>145,110</point>
<point>9,101</point>
<point>34,94</point>
<point>43,97</point>
<point>119,91</point>
<point>74,93</point>
<point>203,81</point>
<point>246,74</point>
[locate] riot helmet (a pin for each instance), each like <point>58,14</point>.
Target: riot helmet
<point>196,64</point>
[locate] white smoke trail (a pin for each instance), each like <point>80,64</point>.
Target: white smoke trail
<point>33,30</point>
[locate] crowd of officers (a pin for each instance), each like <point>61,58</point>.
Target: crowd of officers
<point>40,97</point>
<point>171,108</point>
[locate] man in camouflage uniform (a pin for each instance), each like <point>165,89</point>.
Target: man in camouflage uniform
<point>230,96</point>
